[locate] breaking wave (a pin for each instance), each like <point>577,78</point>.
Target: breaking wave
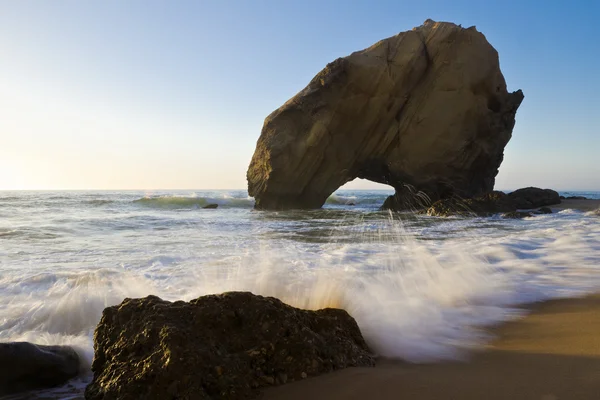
<point>183,202</point>
<point>419,288</point>
<point>362,199</point>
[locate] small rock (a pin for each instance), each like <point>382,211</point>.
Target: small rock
<point>269,380</point>
<point>282,378</point>
<point>517,214</point>
<point>212,205</point>
<point>314,365</point>
<point>532,197</point>
<point>303,375</point>
<point>544,210</point>
<point>26,366</point>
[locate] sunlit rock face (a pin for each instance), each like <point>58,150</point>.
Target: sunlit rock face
<point>426,109</point>
<point>225,346</point>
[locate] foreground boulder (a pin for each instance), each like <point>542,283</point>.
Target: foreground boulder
<point>217,347</point>
<point>27,366</point>
<point>426,109</point>
<point>532,197</point>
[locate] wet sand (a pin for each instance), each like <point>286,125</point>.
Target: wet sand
<point>582,205</point>
<point>551,354</point>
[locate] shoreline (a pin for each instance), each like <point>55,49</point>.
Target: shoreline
<point>551,353</point>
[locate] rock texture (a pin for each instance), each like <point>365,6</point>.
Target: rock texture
<point>427,108</point>
<point>532,197</point>
<point>26,366</point>
<point>517,215</point>
<point>485,205</point>
<point>217,347</point>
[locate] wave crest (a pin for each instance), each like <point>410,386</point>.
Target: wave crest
<point>184,202</point>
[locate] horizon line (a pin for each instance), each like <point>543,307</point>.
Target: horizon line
<point>231,189</point>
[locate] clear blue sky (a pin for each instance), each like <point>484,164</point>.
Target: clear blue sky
<point>172,94</point>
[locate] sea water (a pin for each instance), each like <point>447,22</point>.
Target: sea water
<point>419,287</point>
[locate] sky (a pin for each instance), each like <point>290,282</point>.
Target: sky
<point>146,94</point>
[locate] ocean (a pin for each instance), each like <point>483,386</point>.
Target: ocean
<point>419,287</point>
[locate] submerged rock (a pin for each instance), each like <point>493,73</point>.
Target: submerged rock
<point>532,197</point>
<point>212,205</point>
<point>517,214</point>
<point>27,366</point>
<point>485,205</point>
<point>544,210</point>
<point>427,108</point>
<point>219,346</point>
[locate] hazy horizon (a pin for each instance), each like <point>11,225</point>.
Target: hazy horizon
<point>172,96</point>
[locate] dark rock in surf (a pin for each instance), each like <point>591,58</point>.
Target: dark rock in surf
<point>220,346</point>
<point>574,198</point>
<point>427,108</point>
<point>517,215</point>
<point>544,210</point>
<point>406,199</point>
<point>485,205</point>
<point>532,197</point>
<point>211,206</point>
<point>26,366</point>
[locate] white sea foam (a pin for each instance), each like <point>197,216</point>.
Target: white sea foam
<point>194,201</point>
<point>419,288</point>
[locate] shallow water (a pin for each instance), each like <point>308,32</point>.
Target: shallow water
<point>418,286</point>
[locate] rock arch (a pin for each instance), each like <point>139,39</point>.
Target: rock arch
<point>426,108</point>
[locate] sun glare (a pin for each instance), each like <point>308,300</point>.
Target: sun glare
<point>10,177</point>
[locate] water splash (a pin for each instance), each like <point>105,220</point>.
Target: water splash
<point>420,288</point>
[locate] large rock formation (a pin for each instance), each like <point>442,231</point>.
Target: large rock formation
<point>27,366</point>
<point>217,347</point>
<point>427,108</point>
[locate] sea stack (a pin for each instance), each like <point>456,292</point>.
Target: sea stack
<point>426,110</point>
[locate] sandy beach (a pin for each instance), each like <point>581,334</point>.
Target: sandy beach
<point>553,353</point>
